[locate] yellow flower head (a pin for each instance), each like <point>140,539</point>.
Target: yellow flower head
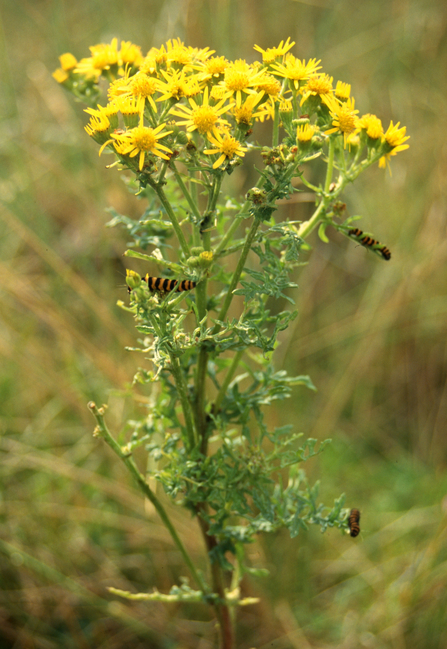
<point>177,52</point>
<point>103,56</point>
<point>60,75</point>
<point>268,84</point>
<point>149,65</point>
<point>131,109</point>
<point>139,86</point>
<point>319,85</point>
<point>212,67</point>
<point>102,121</point>
<point>272,53</point>
<point>342,90</point>
<point>67,61</point>
<point>267,110</point>
<point>142,86</point>
<point>130,54</point>
<point>344,119</point>
<point>203,117</point>
<point>191,87</point>
<point>240,77</point>
<point>226,145</point>
<point>295,70</point>
<point>99,127</point>
<point>394,137</point>
<point>177,85</point>
<point>244,113</point>
<point>285,106</point>
<point>142,140</point>
<point>305,132</point>
<point>372,125</point>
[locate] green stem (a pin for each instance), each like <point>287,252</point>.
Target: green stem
<point>231,230</point>
<point>215,191</point>
<point>201,294</point>
<point>182,389</point>
<point>172,217</point>
<point>275,131</point>
<point>202,367</point>
<point>181,386</point>
<point>315,189</point>
<point>229,377</point>
<point>354,172</point>
<point>189,199</point>
<point>306,228</point>
<point>234,226</point>
<point>163,171</point>
<point>237,273</point>
<point>330,165</point>
<point>103,431</point>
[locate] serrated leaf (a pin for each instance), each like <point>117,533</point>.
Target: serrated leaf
<point>161,262</point>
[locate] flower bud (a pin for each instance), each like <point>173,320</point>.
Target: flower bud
<point>193,262</point>
<point>133,280</point>
<point>182,137</point>
<point>197,250</point>
<point>206,258</point>
<point>258,196</point>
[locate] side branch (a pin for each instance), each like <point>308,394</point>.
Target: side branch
<point>101,430</point>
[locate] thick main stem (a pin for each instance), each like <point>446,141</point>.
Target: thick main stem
<point>221,607</point>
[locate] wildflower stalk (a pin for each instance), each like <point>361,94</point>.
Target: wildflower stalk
<point>234,484</point>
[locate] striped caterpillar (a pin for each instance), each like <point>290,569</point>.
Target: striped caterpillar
<point>165,285</point>
<point>369,242</point>
<point>353,522</point>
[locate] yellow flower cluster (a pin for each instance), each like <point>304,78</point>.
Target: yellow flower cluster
<point>179,98</point>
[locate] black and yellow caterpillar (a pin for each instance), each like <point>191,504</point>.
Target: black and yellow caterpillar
<point>353,522</point>
<point>165,285</point>
<point>369,242</point>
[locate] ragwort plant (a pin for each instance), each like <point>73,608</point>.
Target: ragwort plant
<point>181,119</point>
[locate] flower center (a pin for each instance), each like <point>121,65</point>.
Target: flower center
<point>204,118</point>
<point>230,146</point>
<point>144,138</point>
<point>216,65</point>
<point>143,86</point>
<point>236,80</point>
<point>243,115</point>
<point>347,120</point>
<point>321,85</point>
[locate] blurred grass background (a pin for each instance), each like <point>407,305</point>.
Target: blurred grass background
<point>371,334</point>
